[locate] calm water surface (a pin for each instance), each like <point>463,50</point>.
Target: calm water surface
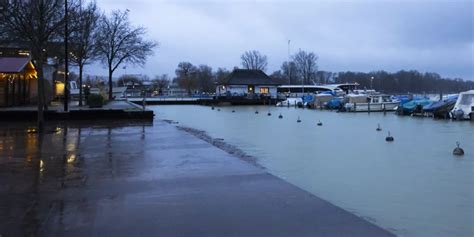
<point>413,186</point>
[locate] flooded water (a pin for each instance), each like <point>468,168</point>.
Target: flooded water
<point>413,186</point>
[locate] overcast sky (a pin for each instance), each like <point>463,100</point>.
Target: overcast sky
<point>356,35</point>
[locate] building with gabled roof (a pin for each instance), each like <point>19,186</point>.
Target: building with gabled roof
<point>247,83</point>
<point>18,81</point>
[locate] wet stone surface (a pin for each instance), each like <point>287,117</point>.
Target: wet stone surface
<point>149,180</point>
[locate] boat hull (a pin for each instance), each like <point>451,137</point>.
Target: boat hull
<point>371,107</point>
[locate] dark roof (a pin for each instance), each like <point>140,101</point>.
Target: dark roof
<point>249,77</point>
<point>13,64</point>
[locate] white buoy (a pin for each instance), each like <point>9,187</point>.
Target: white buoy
<point>458,151</point>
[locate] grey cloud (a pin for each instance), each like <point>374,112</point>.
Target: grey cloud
<point>347,35</point>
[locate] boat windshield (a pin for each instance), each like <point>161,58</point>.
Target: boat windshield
<point>467,99</point>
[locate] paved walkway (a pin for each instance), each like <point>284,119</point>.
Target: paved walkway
<point>57,106</point>
<point>150,181</point>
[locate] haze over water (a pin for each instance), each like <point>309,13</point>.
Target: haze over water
<point>413,186</point>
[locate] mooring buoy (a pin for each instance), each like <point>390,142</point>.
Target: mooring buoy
<point>389,138</point>
<point>212,107</point>
<point>319,123</point>
<point>269,114</point>
<point>378,128</point>
<point>233,111</point>
<point>458,151</point>
<point>218,109</point>
<point>280,116</point>
<point>299,120</point>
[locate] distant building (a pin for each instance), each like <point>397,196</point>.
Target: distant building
<point>247,83</point>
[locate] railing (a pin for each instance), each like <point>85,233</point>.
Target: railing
<point>172,98</point>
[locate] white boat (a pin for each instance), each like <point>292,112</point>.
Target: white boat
<point>320,100</point>
<point>372,103</point>
<point>290,102</point>
<point>464,107</point>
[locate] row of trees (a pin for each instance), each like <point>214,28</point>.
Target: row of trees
<point>198,78</point>
<point>42,27</point>
<point>302,68</point>
<point>405,81</point>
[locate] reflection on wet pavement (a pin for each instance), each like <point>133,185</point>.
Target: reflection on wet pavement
<point>34,168</point>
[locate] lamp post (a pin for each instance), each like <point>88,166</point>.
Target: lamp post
<point>66,59</point>
<point>371,80</point>
<point>289,68</point>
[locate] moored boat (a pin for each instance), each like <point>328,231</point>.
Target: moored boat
<point>320,100</point>
<point>370,103</point>
<point>413,106</point>
<point>440,109</point>
<point>464,107</point>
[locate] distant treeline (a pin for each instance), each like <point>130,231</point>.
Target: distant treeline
<point>405,82</point>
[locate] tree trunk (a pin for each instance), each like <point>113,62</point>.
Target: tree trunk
<point>110,83</point>
<point>41,96</point>
<point>80,83</point>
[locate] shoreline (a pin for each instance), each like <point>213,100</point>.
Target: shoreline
<point>238,153</point>
<point>217,142</point>
<point>221,144</point>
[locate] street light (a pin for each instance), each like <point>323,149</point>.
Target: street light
<point>66,58</point>
<point>371,80</point>
<point>289,66</point>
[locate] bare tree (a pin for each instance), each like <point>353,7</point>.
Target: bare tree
<point>291,72</point>
<point>34,24</point>
<point>186,76</point>
<point>205,79</point>
<point>254,60</point>
<point>124,80</point>
<point>221,75</point>
<point>306,65</point>
<point>161,82</point>
<point>119,42</point>
<point>82,38</point>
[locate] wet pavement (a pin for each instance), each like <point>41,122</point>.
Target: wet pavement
<point>139,179</point>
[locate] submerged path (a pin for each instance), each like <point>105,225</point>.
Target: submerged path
<point>150,180</point>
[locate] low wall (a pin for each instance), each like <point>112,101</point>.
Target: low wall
<point>77,115</point>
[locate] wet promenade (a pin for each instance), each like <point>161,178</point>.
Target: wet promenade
<point>149,180</point>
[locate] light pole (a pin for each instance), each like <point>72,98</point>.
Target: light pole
<point>371,80</point>
<point>289,67</point>
<point>66,59</point>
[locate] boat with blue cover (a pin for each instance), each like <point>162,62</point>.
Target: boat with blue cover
<point>440,109</point>
<point>413,106</point>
